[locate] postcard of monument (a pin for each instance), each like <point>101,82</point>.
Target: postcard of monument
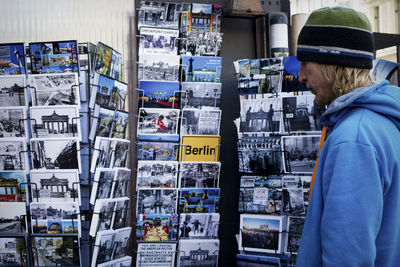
<point>159,14</point>
<point>158,41</point>
<point>54,89</point>
<point>151,201</point>
<point>122,178</point>
<point>295,194</point>
<point>206,251</point>
<point>118,96</point>
<point>201,69</point>
<point>15,249</point>
<point>103,59</point>
<point>13,154</point>
<point>102,216</point>
<point>103,247</point>
<point>102,184</point>
<point>200,148</point>
<point>102,122</point>
<point>121,242</point>
<point>201,44</point>
<point>119,152</point>
<point>158,94</point>
<point>200,94</point>
<point>199,174</point>
<point>295,226</point>
<point>157,150</point>
<point>151,254</point>
<point>120,124</point>
<point>200,121</point>
<point>13,217</point>
<point>101,90</point>
<point>157,227</point>
<point>158,68</point>
<point>50,122</point>
<point>157,174</point>
<point>199,200</point>
<point>55,186</point>
<point>56,153</point>
<point>299,153</point>
<point>12,56</point>
<point>121,213</point>
<point>13,122</point>
<point>16,190</point>
<point>261,233</point>
<point>54,57</point>
<point>13,91</point>
<point>101,157</point>
<point>201,17</point>
<point>158,121</point>
<point>47,250</point>
<point>199,225</point>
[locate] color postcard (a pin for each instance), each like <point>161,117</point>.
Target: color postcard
<point>199,200</point>
<point>157,227</point>
<point>50,250</point>
<point>199,225</point>
<point>158,94</point>
<point>14,249</point>
<point>201,69</point>
<point>16,189</point>
<point>200,148</point>
<point>12,59</point>
<point>159,121</point>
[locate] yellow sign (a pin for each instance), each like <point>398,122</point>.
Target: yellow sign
<point>200,147</point>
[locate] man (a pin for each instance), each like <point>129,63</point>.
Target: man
<point>354,214</point>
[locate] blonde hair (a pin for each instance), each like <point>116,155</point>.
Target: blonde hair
<point>346,79</point>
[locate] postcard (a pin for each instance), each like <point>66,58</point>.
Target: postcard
<point>156,201</point>
<point>209,249</point>
<point>102,184</point>
<point>201,69</point>
<point>157,227</point>
<point>159,14</point>
<point>121,213</point>
<point>12,59</point>
<point>151,254</point>
<point>103,214</point>
<point>122,178</point>
<point>158,41</point>
<point>261,233</point>
<point>199,174</point>
<point>216,18</point>
<point>55,186</point>
<point>199,200</point>
<point>60,121</point>
<point>109,153</point>
<point>294,231</point>
<point>200,122</point>
<point>108,92</point>
<point>117,65</point>
<point>201,17</point>
<point>54,89</point>
<point>186,20</point>
<point>157,174</point>
<point>200,148</point>
<point>198,95</point>
<point>16,189</point>
<point>119,152</point>
<point>56,154</point>
<point>157,150</point>
<point>120,124</point>
<point>291,70</point>
<point>121,243</point>
<point>13,217</point>
<point>103,59</point>
<point>198,225</point>
<point>201,44</point>
<point>118,96</point>
<point>13,122</point>
<point>243,260</point>
<point>158,94</point>
<point>13,90</point>
<point>102,122</point>
<point>14,154</point>
<point>54,57</point>
<point>50,250</point>
<point>299,153</point>
<point>158,68</point>
<point>158,121</point>
<point>383,69</point>
<point>15,250</point>
<point>295,194</point>
<point>103,248</point>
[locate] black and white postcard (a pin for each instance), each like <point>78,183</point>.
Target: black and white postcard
<point>198,225</point>
<point>259,114</point>
<point>13,91</point>
<point>157,174</point>
<point>13,218</point>
<point>102,122</point>
<point>55,186</point>
<point>159,14</point>
<point>54,89</point>
<point>55,154</point>
<point>295,194</point>
<point>120,124</point>
<point>158,121</point>
<point>198,252</point>
<point>119,152</point>
<point>109,153</point>
<point>301,113</point>
<point>121,242</point>
<point>103,214</point>
<point>122,178</point>
<point>200,94</point>
<point>13,122</point>
<point>199,174</point>
<point>13,154</point>
<point>15,191</point>
<point>14,251</point>
<point>157,227</point>
<point>158,41</point>
<point>158,68</point>
<point>294,231</point>
<point>299,153</point>
<point>48,251</point>
<point>200,121</point>
<point>60,121</point>
<point>201,44</point>
<point>103,248</point>
<point>121,213</point>
<point>261,233</point>
<point>152,201</point>
<point>199,200</point>
<point>150,254</point>
<point>160,149</point>
<point>102,184</point>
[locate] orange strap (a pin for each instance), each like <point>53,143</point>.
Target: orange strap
<point>321,143</point>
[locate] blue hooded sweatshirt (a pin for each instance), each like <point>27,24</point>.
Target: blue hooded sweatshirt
<point>354,214</point>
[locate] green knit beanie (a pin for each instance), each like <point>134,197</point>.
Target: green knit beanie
<point>337,36</point>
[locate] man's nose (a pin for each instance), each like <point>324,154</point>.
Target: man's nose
<point>302,75</point>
